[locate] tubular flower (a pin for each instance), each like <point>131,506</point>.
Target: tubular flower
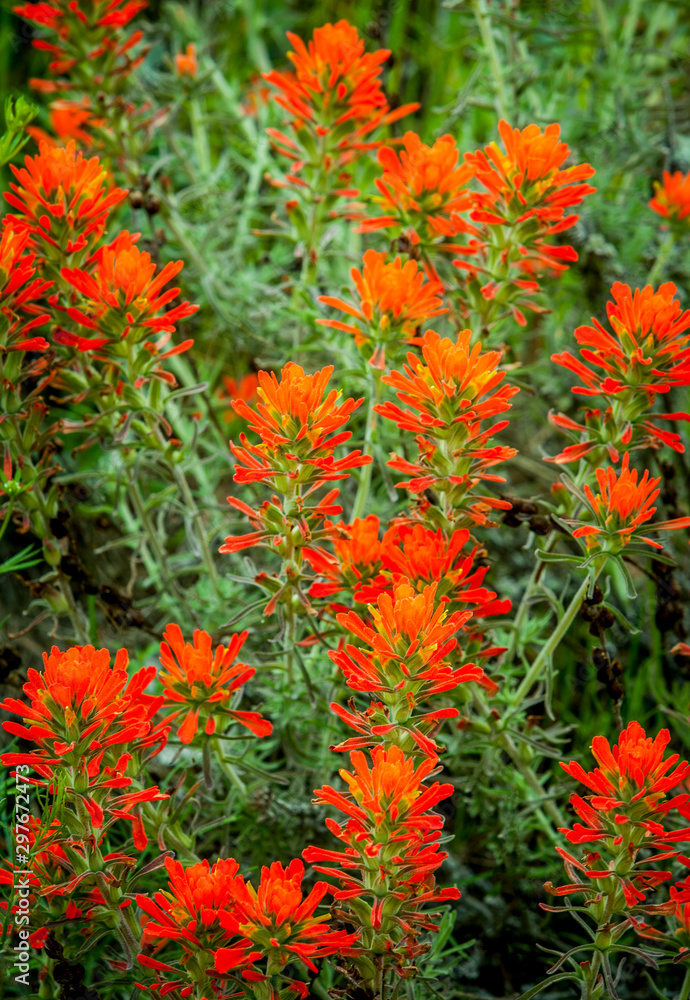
<point>621,507</point>
<point>278,920</point>
<point>68,120</point>
<point>62,200</point>
<point>445,395</point>
<point>122,300</point>
<point>404,658</point>
<point>20,295</point>
<point>423,190</point>
<point>199,682</point>
<point>672,199</point>
<point>355,562</point>
<point>246,388</point>
<point>186,63</point>
<point>391,836</point>
<point>79,706</point>
<point>526,180</point>
<point>197,907</point>
<point>394,300</point>
<point>648,353</point>
<point>335,83</point>
<point>335,102</point>
<point>294,422</point>
<point>624,815</point>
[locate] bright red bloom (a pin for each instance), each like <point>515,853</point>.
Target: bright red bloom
<point>279,920</point>
<point>526,179</point>
<point>649,349</point>
<point>62,199</point>
<point>451,383</point>
<point>404,658</point>
<point>423,189</point>
<point>20,294</point>
<point>202,680</point>
<point>391,836</point>
<point>672,198</point>
<point>76,22</point>
<point>356,559</point>
<point>186,63</point>
<point>79,705</point>
<point>446,394</point>
<point>335,81</point>
<point>298,429</point>
<point>394,300</point>
<point>622,506</point>
<point>124,292</point>
<point>196,909</point>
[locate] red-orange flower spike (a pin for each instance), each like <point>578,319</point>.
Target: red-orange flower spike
<point>649,349</point>
<point>423,189</point>
<point>199,682</point>
<point>297,423</point>
<point>62,199</point>
<point>278,920</point>
<point>672,198</point>
<point>403,655</point>
<point>394,300</point>
<point>196,908</point>
<point>451,383</point>
<point>621,507</point>
<point>79,705</point>
<point>526,179</point>
<point>186,63</point>
<point>124,291</point>
<point>356,560</point>
<point>632,781</point>
<point>334,80</point>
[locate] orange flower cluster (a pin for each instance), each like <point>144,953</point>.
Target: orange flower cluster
<point>199,683</point>
<point>648,353</point>
<point>447,394</point>
<point>404,658</point>
<point>423,191</point>
<point>624,818</point>
<point>62,200</point>
<point>392,836</point>
<point>103,299</point>
<point>300,427</point>
<point>336,104</point>
<point>226,927</point>
<point>394,300</point>
<point>622,508</point>
<point>672,200</point>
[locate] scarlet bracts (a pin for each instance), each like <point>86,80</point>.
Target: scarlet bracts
<point>526,180</point>
<point>79,705</point>
<point>385,872</point>
<point>199,683</point>
<point>672,199</point>
<point>446,394</point>
<point>62,199</point>
<point>423,190</point>
<point>394,301</point>
<point>621,508</point>
<point>624,815</point>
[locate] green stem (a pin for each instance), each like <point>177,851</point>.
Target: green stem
<point>552,643</point>
<point>72,609</point>
<point>203,152</point>
<point>6,519</point>
<point>483,19</point>
<point>196,515</point>
<point>505,741</point>
<point>151,534</point>
<point>665,251</point>
<point>685,988</point>
<point>362,497</point>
